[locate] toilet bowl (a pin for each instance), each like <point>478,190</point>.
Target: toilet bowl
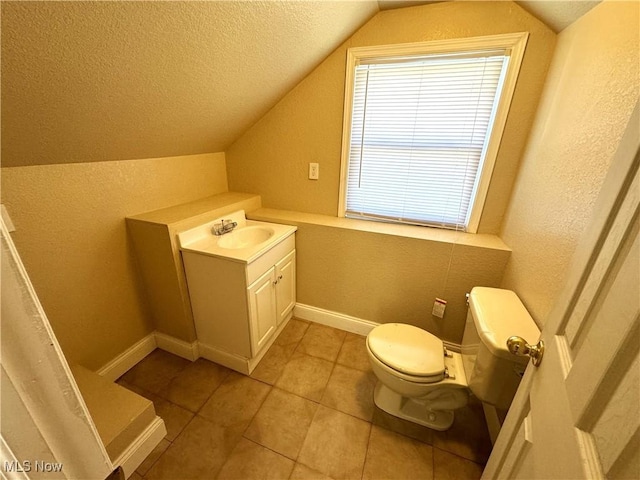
<point>420,381</point>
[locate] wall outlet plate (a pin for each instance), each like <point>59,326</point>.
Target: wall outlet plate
<point>438,308</point>
<point>314,171</point>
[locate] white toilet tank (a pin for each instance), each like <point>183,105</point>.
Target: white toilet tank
<point>494,315</point>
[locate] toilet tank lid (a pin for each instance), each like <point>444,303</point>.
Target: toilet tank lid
<point>408,349</point>
<point>499,314</point>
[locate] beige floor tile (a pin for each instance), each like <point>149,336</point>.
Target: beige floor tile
<point>403,427</point>
<point>148,462</point>
<point>392,456</point>
<point>354,352</point>
<point>135,476</point>
<point>293,332</point>
<point>305,376</point>
<point>272,364</point>
<point>175,417</point>
<point>155,371</point>
<point>282,422</point>
<point>350,391</point>
<point>468,437</point>
<point>194,384</point>
<point>322,342</point>
<point>336,444</point>
<point>135,389</point>
<point>447,466</point>
<point>198,453</point>
<point>236,401</point>
<point>302,472</point>
<point>250,461</point>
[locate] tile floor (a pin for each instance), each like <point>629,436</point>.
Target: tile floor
<point>306,412</point>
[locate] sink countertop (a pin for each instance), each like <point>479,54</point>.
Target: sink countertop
<point>201,240</point>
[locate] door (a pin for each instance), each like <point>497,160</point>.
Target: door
<point>286,286</point>
<point>262,309</point>
<point>577,414</point>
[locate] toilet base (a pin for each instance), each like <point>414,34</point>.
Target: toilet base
<point>411,409</point>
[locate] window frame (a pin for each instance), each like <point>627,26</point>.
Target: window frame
<point>514,45</point>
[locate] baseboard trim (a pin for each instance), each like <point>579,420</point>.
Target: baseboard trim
<point>192,351</point>
<point>345,322</point>
<point>177,347</point>
<point>137,352</point>
<point>453,347</point>
<point>129,358</point>
<point>141,447</point>
<point>333,319</point>
<point>234,362</point>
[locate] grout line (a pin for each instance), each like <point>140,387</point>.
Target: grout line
<point>366,453</point>
<point>459,456</point>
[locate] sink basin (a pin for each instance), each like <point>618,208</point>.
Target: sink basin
<point>248,241</point>
<point>245,237</point>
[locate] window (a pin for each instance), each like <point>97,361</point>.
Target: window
<point>422,127</point>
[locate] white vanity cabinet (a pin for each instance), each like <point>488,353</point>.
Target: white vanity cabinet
<point>239,306</point>
<point>271,300</point>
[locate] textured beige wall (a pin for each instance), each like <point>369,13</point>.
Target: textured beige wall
<point>71,235</point>
<point>390,273</point>
<point>591,91</point>
<point>382,278</point>
<point>306,125</point>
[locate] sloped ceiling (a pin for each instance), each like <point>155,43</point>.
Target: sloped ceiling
<point>90,81</point>
<point>94,81</point>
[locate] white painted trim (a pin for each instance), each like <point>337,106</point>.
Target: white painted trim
<point>174,345</point>
<point>452,347</point>
<point>333,319</point>
<point>138,351</point>
<point>7,456</point>
<point>345,322</point>
<point>234,362</point>
<point>514,43</point>
<point>129,358</point>
<point>7,219</point>
<point>141,447</point>
<point>192,351</point>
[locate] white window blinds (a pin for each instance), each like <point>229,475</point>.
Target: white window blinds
<point>419,130</point>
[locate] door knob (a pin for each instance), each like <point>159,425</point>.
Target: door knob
<point>518,346</point>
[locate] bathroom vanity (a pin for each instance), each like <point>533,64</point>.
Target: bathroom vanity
<point>154,237</point>
<point>242,286</point>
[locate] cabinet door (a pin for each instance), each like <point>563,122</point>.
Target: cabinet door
<point>285,286</point>
<point>262,308</point>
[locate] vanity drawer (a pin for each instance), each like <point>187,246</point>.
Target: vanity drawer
<point>268,259</point>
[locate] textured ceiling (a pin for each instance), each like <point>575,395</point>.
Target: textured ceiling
<point>92,81</point>
<point>558,14</point>
<point>87,81</point>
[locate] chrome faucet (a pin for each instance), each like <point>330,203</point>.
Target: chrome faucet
<point>225,226</point>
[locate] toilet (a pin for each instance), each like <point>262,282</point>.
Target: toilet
<point>421,381</point>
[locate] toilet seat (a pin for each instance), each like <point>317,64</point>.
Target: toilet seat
<point>414,354</point>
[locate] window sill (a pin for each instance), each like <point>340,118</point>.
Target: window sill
<point>492,242</point>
